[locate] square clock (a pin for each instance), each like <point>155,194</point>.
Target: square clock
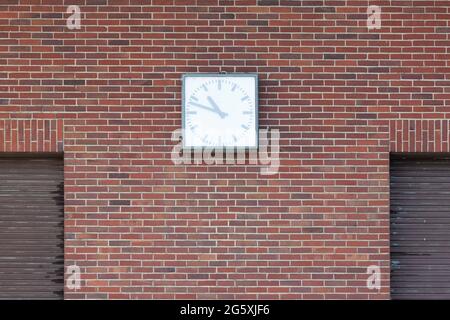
<point>220,111</point>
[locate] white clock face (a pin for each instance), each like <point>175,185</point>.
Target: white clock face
<point>220,111</point>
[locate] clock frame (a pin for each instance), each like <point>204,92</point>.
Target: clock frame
<point>219,76</point>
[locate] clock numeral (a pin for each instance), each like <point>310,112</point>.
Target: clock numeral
<point>219,84</point>
<point>245,127</point>
<point>247,112</point>
<point>194,98</point>
<point>191,112</point>
<point>245,98</point>
<point>234,87</point>
<point>205,87</point>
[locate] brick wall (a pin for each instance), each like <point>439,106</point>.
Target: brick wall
<point>342,97</point>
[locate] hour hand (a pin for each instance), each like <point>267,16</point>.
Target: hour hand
<point>216,107</point>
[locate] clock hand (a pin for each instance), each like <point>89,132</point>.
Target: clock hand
<point>198,105</point>
<point>215,110</point>
<point>216,107</point>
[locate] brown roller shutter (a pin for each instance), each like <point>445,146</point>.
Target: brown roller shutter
<point>420,227</point>
<point>31,228</point>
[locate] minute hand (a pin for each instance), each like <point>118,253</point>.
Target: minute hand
<point>198,105</point>
<point>216,107</point>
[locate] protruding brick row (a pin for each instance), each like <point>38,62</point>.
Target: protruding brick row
<point>419,136</point>
<point>31,135</point>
